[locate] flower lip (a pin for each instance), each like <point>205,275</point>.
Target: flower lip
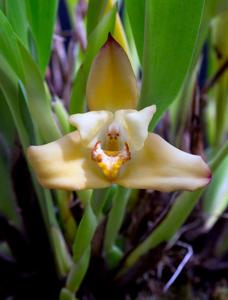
<point>113,138</point>
<point>110,162</point>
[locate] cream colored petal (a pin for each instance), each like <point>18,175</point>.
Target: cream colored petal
<point>65,164</point>
<point>136,124</point>
<point>162,167</point>
<point>111,83</point>
<point>90,125</point>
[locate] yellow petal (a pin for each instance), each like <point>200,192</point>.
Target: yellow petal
<point>90,125</point>
<point>111,83</point>
<point>65,164</point>
<point>162,167</point>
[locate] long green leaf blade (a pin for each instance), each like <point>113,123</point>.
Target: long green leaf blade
<point>171,31</point>
<point>136,11</point>
<point>38,103</point>
<point>95,11</point>
<point>42,17</point>
<point>8,46</point>
<point>16,14</point>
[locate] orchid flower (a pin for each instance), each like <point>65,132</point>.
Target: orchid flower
<point>112,144</point>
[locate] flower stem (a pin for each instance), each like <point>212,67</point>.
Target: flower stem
<point>67,220</point>
<point>115,218</point>
<point>82,243</point>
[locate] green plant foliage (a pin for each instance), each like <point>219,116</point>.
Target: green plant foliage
<point>26,71</point>
<point>85,232</point>
<point>38,102</point>
<point>23,89</point>
<point>136,11</point>
<point>9,48</point>
<point>7,200</point>
<point>25,115</point>
<point>16,14</point>
<point>9,88</point>
<point>96,10</point>
<point>2,5</point>
<point>71,6</point>
<point>42,17</point>
<point>62,115</point>
<point>116,216</point>
<point>216,196</point>
<point>6,122</point>
<point>171,30</point>
<point>78,272</point>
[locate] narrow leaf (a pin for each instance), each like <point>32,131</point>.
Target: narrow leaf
<point>16,14</point>
<point>136,11</point>
<point>96,9</point>
<point>7,201</point>
<point>38,103</point>
<point>216,197</point>
<point>42,18</point>
<point>85,233</point>
<point>8,47</point>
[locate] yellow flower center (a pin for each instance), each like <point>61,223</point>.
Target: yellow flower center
<point>111,159</point>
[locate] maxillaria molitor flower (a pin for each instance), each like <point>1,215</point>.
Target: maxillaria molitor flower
<point>112,143</point>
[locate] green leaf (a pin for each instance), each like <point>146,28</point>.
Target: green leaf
<point>24,112</point>
<point>171,31</point>
<point>61,254</point>
<point>71,6</point>
<point>38,102</point>
<point>21,67</point>
<point>95,11</point>
<point>9,88</point>
<point>65,294</point>
<point>136,11</point>
<point>8,47</point>
<point>115,218</point>
<point>78,272</point>
<point>7,128</point>
<point>62,115</point>
<point>7,201</point>
<point>85,232</point>
<point>96,40</point>
<point>216,197</point>
<point>42,18</point>
<point>16,14</point>
<point>2,5</point>
<point>98,200</point>
<point>10,76</point>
